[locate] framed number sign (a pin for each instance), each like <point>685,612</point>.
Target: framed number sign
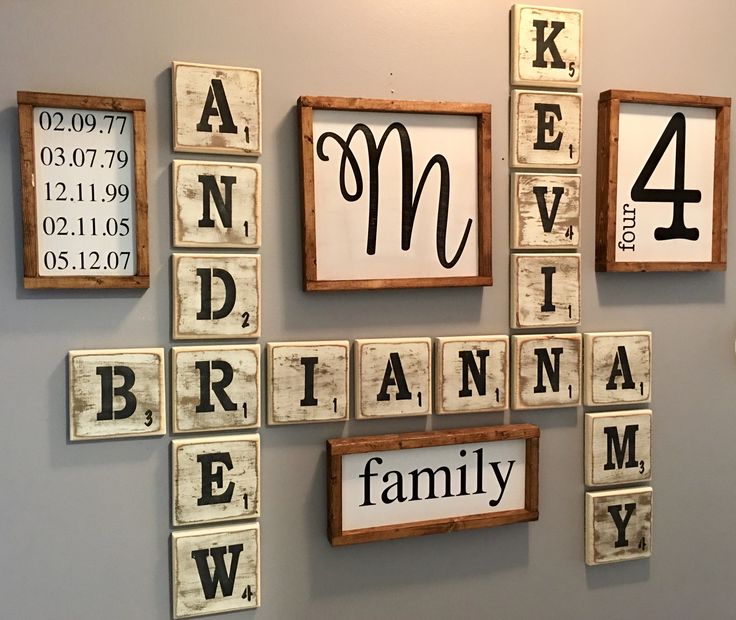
<point>662,183</point>
<point>83,172</point>
<point>396,194</point>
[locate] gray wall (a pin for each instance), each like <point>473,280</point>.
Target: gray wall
<point>85,527</point>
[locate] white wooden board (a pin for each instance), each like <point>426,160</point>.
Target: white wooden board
<point>618,525</point>
<point>545,290</point>
<point>308,381</point>
<point>393,377</point>
<point>618,447</point>
<point>471,374</point>
<point>217,479</point>
<point>116,393</point>
<point>216,296</point>
<point>546,46</point>
<point>216,109</point>
<point>546,129</point>
<point>546,371</point>
<point>618,367</point>
<point>216,204</point>
<point>215,570</point>
<point>216,388</point>
<point>545,211</point>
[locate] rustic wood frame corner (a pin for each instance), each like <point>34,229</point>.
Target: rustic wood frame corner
<point>609,104</point>
<point>337,448</point>
<point>307,104</point>
<point>137,107</point>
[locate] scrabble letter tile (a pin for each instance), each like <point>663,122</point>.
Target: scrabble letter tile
<point>471,374</point>
<point>618,525</point>
<point>116,393</point>
<point>546,46</point>
<point>215,570</point>
<point>216,296</point>
<point>545,129</point>
<point>545,211</point>
<point>393,377</point>
<point>618,367</point>
<point>216,109</point>
<point>216,204</point>
<point>308,381</point>
<point>216,388</point>
<point>618,447</point>
<point>545,290</point>
<point>215,479</point>
<point>546,371</point>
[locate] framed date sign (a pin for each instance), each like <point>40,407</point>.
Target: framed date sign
<point>396,194</point>
<point>662,183</point>
<point>83,172</point>
<point>394,486</point>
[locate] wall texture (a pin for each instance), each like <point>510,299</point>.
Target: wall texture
<point>85,527</point>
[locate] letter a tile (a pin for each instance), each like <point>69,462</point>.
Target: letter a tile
<point>216,205</point>
<point>216,109</point>
<point>618,525</point>
<point>618,447</point>
<point>116,393</point>
<point>215,570</point>
<point>618,368</point>
<point>546,46</point>
<point>216,479</point>
<point>308,381</point>
<point>393,377</point>
<point>216,296</point>
<point>546,371</point>
<point>545,129</point>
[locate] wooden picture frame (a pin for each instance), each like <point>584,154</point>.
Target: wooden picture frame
<point>634,136</point>
<point>88,154</point>
<point>339,468</point>
<point>430,254</point>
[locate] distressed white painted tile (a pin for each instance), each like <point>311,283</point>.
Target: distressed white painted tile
<point>618,447</point>
<point>545,129</point>
<point>116,393</point>
<point>216,296</point>
<point>618,367</point>
<point>546,46</point>
<point>471,374</point>
<point>216,388</point>
<point>216,109</point>
<point>618,525</point>
<point>545,211</point>
<point>545,290</point>
<point>393,377</point>
<point>216,204</point>
<point>196,556</point>
<point>308,381</point>
<point>217,479</point>
<point>546,371</point>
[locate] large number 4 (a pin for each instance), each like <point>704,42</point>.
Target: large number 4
<point>678,195</point>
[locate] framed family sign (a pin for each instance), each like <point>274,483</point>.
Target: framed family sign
<point>396,194</point>
<point>83,172</point>
<point>383,487</point>
<point>662,182</point>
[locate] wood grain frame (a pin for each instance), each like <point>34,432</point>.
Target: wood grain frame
<point>609,104</point>
<point>137,107</point>
<point>482,112</point>
<point>337,448</point>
